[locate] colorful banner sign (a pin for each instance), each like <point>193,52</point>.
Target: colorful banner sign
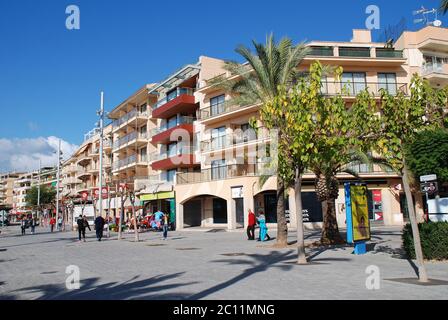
<point>358,224</point>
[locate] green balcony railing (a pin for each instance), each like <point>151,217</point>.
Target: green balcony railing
<point>354,52</point>
<point>388,53</point>
<point>321,51</point>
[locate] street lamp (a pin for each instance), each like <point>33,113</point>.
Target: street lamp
<point>100,113</point>
<point>58,175</point>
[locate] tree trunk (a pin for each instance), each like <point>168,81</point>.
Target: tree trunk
<point>120,221</point>
<point>135,225</point>
<point>301,255</point>
<point>422,275</point>
<point>330,231</point>
<point>282,227</point>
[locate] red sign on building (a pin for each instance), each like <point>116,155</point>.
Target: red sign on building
<point>96,193</point>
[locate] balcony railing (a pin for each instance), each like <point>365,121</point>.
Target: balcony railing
<point>172,96</point>
<point>362,168</point>
<point>221,173</point>
<point>129,116</point>
<point>352,89</point>
<point>168,126</point>
<point>434,68</point>
<point>156,156</point>
<point>128,138</point>
<point>354,52</point>
<point>131,160</point>
<point>388,53</point>
<point>250,135</point>
<point>321,51</point>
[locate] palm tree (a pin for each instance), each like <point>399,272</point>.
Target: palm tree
<point>444,6</point>
<point>257,82</point>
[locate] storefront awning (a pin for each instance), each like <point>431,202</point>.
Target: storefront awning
<point>157,196</point>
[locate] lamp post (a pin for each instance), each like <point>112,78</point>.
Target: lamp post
<point>58,176</point>
<point>100,174</point>
<point>38,189</point>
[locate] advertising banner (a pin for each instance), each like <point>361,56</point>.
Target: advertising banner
<point>358,224</point>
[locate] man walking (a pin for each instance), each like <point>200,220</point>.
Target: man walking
<point>82,225</point>
<point>251,226</point>
<point>52,223</point>
<point>23,223</point>
<point>99,227</point>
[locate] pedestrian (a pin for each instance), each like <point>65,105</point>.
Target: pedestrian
<point>23,225</point>
<point>52,223</point>
<point>60,223</point>
<point>263,228</point>
<point>82,225</point>
<point>33,223</point>
<point>99,227</point>
<point>165,226</point>
<point>251,225</point>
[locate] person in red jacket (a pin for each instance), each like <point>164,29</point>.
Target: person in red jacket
<point>251,226</point>
<point>52,223</point>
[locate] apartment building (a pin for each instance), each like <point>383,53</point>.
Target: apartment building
<point>80,173</point>
<point>228,184</point>
<point>7,189</point>
<point>21,187</point>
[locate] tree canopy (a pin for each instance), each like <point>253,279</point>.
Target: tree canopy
<point>428,154</point>
<point>47,196</point>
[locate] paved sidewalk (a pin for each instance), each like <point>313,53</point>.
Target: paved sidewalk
<point>203,265</point>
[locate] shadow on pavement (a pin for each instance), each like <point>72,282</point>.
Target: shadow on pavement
<point>145,289</point>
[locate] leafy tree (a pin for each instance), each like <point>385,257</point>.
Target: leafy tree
<point>271,66</point>
<point>402,119</point>
<point>47,196</point>
<point>428,154</point>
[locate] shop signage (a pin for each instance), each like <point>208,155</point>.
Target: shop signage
<point>237,192</point>
<point>358,224</point>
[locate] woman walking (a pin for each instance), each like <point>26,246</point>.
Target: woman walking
<point>165,226</point>
<point>263,228</point>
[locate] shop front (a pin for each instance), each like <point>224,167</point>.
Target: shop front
<point>163,201</point>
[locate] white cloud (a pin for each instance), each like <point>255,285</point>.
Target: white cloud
<point>24,154</point>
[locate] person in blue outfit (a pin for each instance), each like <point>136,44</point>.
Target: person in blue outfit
<point>263,228</point>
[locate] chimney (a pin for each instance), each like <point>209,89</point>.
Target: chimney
<point>361,36</point>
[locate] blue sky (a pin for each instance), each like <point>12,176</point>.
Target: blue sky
<point>50,77</point>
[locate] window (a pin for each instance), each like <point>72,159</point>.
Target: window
<point>387,81</point>
<point>143,154</point>
<point>218,138</point>
<point>170,174</point>
<point>143,108</point>
<point>218,169</point>
<point>143,130</point>
<point>172,150</point>
<point>217,105</point>
<point>355,82</point>
<point>171,95</point>
<point>171,122</point>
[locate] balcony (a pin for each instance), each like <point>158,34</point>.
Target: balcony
<point>84,160</point>
<point>389,53</point>
<point>179,158</point>
<point>129,118</point>
<point>163,133</point>
<point>142,182</point>
<point>321,51</point>
<point>72,180</point>
<point>83,174</point>
<point>133,160</point>
<point>436,73</point>
<point>221,173</point>
<point>262,135</point>
<point>182,100</point>
<point>354,56</point>
<point>224,111</point>
<point>354,52</point>
<point>352,89</point>
<point>130,139</point>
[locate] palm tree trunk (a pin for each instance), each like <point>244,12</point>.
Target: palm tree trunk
<point>301,255</point>
<point>330,232</point>
<point>282,227</point>
<point>422,275</point>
